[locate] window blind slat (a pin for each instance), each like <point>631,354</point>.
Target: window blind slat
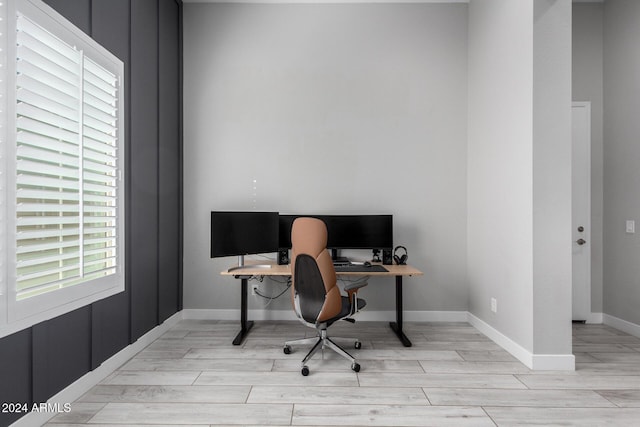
<point>42,274</point>
<point>28,69</point>
<point>98,104</point>
<point>107,128</point>
<point>98,198</point>
<point>100,73</point>
<point>99,147</point>
<point>25,53</point>
<point>91,111</point>
<point>108,97</point>
<point>47,260</point>
<point>53,55</point>
<point>47,207</point>
<point>100,158</point>
<point>99,178</point>
<point>98,136</point>
<point>40,247</point>
<point>26,96</point>
<point>33,85</point>
<point>26,110</point>
<point>40,168</point>
<point>45,234</point>
<point>44,195</point>
<point>97,188</point>
<point>30,125</point>
<point>66,185</point>
<point>99,84</point>
<point>47,144</point>
<point>25,26</point>
<point>47,220</point>
<point>96,167</point>
<point>30,152</point>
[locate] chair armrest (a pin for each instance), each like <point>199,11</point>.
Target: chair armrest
<point>354,286</point>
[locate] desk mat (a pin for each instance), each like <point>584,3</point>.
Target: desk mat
<point>360,269</point>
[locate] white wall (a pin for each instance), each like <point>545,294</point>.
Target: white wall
<point>519,175</point>
<point>552,152</point>
<point>500,162</point>
<point>621,295</point>
<point>333,108</point>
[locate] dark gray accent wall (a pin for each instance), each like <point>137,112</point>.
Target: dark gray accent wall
<point>144,179</point>
<point>169,155</point>
<point>146,35</point>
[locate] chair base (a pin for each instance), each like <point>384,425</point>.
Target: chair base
<point>322,341</point>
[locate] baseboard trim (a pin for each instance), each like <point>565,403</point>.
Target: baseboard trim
<point>594,318</point>
<point>79,387</point>
<point>622,325</point>
<point>364,315</point>
<point>538,362</point>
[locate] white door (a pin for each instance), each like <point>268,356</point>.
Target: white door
<point>581,209</point>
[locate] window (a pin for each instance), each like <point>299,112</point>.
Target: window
<point>61,145</point>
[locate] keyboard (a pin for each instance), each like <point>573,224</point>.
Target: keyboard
<point>359,269</point>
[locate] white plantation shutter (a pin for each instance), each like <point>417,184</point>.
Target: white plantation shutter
<point>65,210</point>
<point>99,160</point>
<point>48,155</point>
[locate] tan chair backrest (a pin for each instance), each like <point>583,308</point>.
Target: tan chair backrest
<point>309,236</point>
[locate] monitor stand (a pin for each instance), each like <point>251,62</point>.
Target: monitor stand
<point>338,260</point>
<point>241,265</point>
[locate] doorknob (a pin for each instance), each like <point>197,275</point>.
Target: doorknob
<point>581,242</point>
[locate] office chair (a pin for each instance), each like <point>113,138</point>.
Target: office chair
<point>315,294</point>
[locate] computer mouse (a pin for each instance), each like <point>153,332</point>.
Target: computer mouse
<point>367,264</point>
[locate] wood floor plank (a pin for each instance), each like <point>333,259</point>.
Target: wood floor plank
<point>497,397</point>
<point>622,398</point>
<point>152,378</point>
<point>168,394</point>
<point>338,395</point>
<point>439,380</point>
<point>316,378</point>
<point>338,365</point>
<point>486,356</point>
<point>81,412</point>
<point>198,365</point>
<point>578,417</point>
<point>455,367</point>
<point>584,382</point>
<point>194,413</point>
<point>610,357</point>
<point>389,415</point>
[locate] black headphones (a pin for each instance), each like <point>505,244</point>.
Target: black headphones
<point>402,259</point>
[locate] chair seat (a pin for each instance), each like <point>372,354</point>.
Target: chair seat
<point>346,309</point>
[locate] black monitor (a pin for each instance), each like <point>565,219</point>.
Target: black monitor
<point>235,233</point>
<point>347,231</point>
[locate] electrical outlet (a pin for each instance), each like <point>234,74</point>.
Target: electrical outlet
<point>494,305</point>
<point>254,289</point>
<point>630,226</point>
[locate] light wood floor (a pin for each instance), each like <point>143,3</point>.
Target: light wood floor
<point>452,376</point>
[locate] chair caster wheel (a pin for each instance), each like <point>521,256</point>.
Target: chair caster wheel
<point>358,345</point>
<point>287,349</point>
<point>305,371</point>
<point>355,367</point>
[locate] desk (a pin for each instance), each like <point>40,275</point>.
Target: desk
<point>397,271</point>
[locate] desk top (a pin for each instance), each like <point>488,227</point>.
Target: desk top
<point>285,270</point>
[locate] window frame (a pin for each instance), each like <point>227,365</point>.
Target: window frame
<point>19,314</point>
